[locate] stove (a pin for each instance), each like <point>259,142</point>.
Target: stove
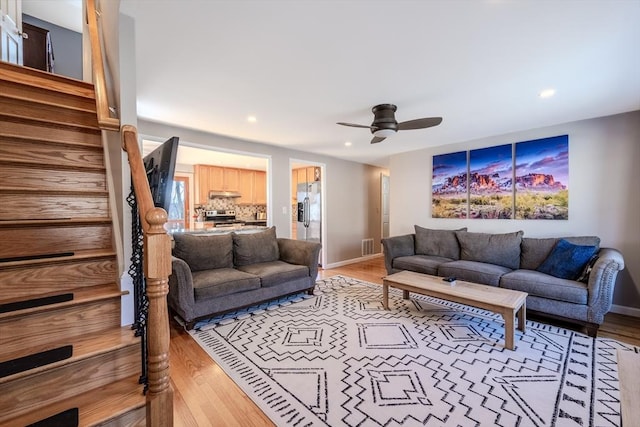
<point>222,217</point>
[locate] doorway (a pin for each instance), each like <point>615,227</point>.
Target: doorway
<point>198,168</point>
<point>307,203</point>
<point>384,202</point>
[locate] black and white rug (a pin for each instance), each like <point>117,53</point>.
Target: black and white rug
<point>339,359</point>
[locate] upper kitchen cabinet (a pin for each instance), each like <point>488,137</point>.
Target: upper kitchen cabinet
<point>223,179</point>
<point>201,184</point>
<point>251,184</point>
<point>216,178</point>
<point>253,187</point>
<point>260,195</point>
<point>231,181</point>
<point>308,174</point>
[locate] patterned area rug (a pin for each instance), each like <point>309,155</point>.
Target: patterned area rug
<point>339,359</point>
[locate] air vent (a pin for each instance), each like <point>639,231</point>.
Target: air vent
<point>367,247</point>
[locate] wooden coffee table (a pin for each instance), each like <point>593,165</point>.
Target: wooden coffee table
<point>505,302</point>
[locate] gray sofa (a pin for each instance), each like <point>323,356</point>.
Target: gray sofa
<point>213,274</point>
<point>569,278</point>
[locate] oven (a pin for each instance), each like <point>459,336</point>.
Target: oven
<point>222,217</point>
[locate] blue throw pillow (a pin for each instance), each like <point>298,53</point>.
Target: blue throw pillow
<point>567,260</point>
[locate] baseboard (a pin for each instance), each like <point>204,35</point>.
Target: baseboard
<point>351,261</point>
<point>627,311</point>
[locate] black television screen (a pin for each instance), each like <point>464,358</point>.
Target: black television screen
<point>160,165</point>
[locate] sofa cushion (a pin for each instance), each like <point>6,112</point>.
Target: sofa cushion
<point>222,281</point>
<point>567,260</point>
<point>473,271</point>
<point>543,285</point>
<point>441,243</point>
<point>252,248</point>
<point>420,263</point>
<point>274,273</point>
<point>499,249</point>
<point>536,250</point>
<point>204,252</point>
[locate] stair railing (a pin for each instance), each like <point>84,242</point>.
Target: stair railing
<point>105,120</point>
<point>157,267</point>
<point>156,247</point>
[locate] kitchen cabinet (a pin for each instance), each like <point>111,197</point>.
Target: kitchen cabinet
<point>302,175</point>
<point>214,178</point>
<point>252,187</point>
<point>223,179</point>
<point>201,184</point>
<point>231,179</point>
<point>308,174</point>
<point>246,181</point>
<point>260,188</point>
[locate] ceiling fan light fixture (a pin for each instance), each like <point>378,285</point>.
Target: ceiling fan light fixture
<point>384,133</point>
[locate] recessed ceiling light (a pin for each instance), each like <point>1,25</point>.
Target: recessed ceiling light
<point>347,144</point>
<point>252,119</point>
<point>547,93</point>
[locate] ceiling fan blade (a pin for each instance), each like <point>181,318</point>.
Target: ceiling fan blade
<point>353,125</point>
<point>377,139</point>
<point>426,122</point>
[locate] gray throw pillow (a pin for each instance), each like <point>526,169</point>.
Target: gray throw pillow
<point>441,243</point>
<point>252,248</point>
<point>498,249</point>
<point>204,252</point>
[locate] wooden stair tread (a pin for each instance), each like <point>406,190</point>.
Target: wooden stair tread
<point>83,347</point>
<point>81,192</point>
<point>96,406</point>
<point>59,222</point>
<point>54,82</point>
<point>80,296</point>
<point>47,97</point>
<point>48,114</point>
<point>32,130</point>
<point>78,255</point>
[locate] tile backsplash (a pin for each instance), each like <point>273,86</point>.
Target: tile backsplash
<point>242,211</point>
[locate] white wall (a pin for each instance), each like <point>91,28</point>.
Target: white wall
<point>604,192</point>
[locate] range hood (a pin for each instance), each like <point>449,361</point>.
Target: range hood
<point>214,194</point>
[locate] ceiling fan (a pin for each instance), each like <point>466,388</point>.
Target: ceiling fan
<point>385,124</point>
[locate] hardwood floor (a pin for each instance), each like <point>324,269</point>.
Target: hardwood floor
<point>205,396</point>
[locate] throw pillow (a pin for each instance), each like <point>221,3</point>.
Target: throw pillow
<point>437,242</point>
<point>204,252</point>
<point>253,248</point>
<point>567,260</point>
<point>498,249</point>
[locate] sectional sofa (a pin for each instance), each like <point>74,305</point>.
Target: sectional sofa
<point>214,274</point>
<point>570,278</point>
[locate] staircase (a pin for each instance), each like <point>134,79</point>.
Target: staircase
<point>63,354</point>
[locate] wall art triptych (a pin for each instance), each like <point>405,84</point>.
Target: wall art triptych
<point>525,180</point>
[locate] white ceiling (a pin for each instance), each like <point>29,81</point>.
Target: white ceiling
<point>64,13</point>
<point>301,66</point>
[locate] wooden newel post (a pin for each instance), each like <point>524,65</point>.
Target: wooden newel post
<point>157,267</point>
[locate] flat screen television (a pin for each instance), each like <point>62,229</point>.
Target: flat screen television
<point>160,165</point>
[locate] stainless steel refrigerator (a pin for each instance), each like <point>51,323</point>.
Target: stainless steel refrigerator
<point>309,226</point>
